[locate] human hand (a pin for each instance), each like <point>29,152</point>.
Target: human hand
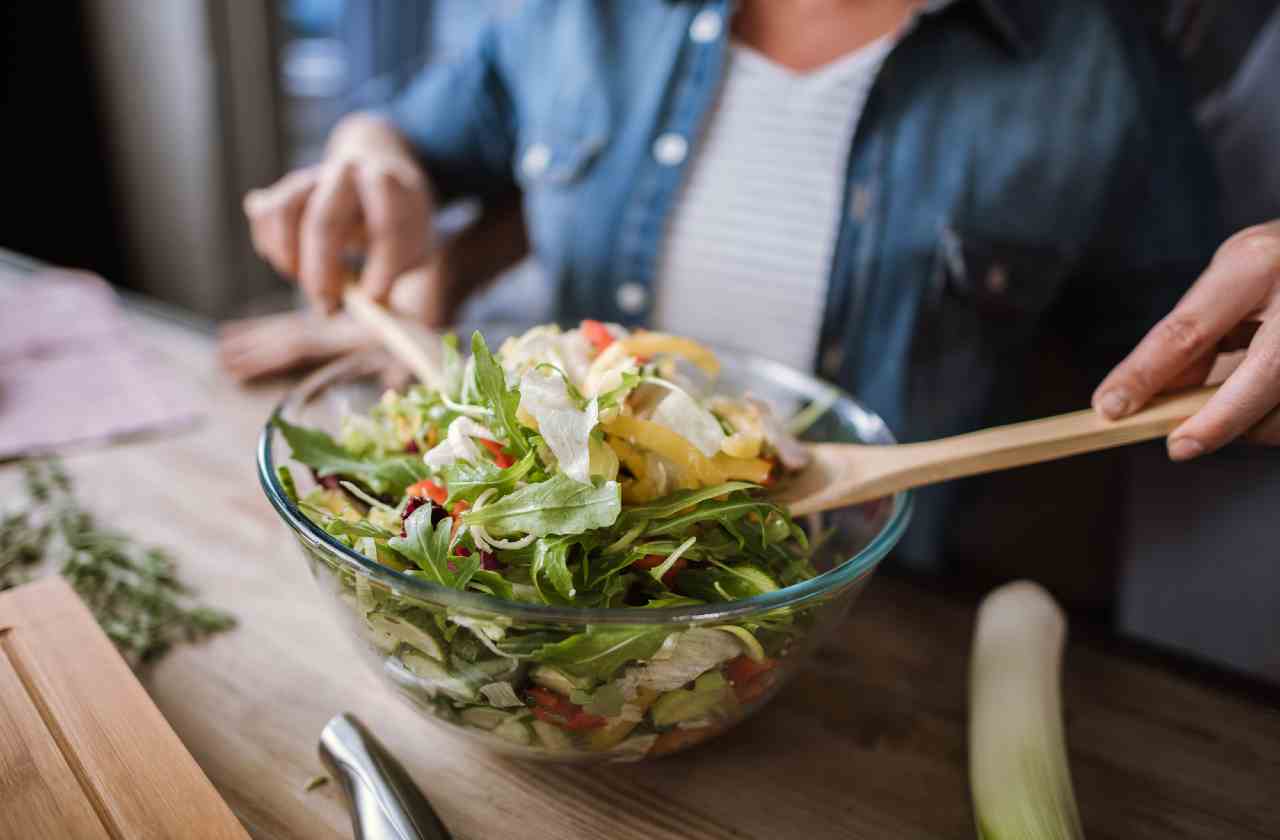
<point>270,345</point>
<point>1233,306</point>
<point>368,193</point>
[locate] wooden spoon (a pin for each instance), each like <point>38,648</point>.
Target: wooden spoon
<point>407,340</point>
<point>845,473</point>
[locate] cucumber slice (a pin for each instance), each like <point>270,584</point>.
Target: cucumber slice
<point>751,646</point>
<point>435,677</point>
<point>708,693</point>
<point>559,681</point>
<point>388,631</point>
<point>514,730</point>
<point>552,737</point>
<point>482,717</point>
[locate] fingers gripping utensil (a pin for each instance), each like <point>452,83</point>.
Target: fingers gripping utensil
<point>385,803</point>
<point>843,474</point>
<point>410,342</point>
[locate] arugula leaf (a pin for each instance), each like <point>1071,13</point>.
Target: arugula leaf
<point>611,594</point>
<point>722,512</point>
<point>360,528</point>
<point>602,650</point>
<point>609,566</point>
<point>492,583</point>
<point>467,481</point>
<point>326,456</point>
<point>551,557</point>
<point>614,396</point>
<point>286,482</point>
<point>432,550</point>
<point>558,505</point>
<point>680,500</point>
<point>491,383</point>
<point>665,566</point>
<point>668,601</point>
<point>528,645</point>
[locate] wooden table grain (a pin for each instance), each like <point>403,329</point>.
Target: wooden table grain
<point>869,741</point>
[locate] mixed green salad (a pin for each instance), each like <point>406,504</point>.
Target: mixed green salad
<point>591,468</point>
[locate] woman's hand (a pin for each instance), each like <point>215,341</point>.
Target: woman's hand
<point>270,345</point>
<point>368,193</point>
<point>1235,305</point>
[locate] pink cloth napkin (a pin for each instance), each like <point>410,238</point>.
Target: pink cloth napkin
<point>72,373</point>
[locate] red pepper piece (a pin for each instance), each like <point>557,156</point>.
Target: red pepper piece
<point>428,489</point>
<point>597,333</point>
<point>670,577</point>
<point>502,459</point>
<point>750,679</point>
<point>649,561</point>
<point>558,710</point>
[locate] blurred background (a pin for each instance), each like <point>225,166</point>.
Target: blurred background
<point>133,128</point>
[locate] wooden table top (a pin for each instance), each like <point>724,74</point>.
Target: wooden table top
<point>869,741</point>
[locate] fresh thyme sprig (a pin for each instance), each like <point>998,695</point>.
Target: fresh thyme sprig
<point>132,590</point>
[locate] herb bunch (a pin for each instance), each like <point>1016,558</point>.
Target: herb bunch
<point>132,590</point>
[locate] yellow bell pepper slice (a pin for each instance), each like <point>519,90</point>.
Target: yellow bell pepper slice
<point>645,486</point>
<point>755,470</point>
<point>691,463</point>
<point>645,344</point>
<point>629,456</point>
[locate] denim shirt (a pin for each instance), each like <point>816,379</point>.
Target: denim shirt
<point>1018,165</point>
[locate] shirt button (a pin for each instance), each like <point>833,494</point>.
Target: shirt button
<point>861,203</point>
<point>536,160</point>
<point>997,279</point>
<point>670,149</point>
<point>632,298</point>
<point>832,359</point>
<point>705,27</point>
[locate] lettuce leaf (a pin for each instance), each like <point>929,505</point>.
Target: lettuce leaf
<point>563,425</point>
<point>383,476</point>
<point>682,414</point>
<point>558,505</point>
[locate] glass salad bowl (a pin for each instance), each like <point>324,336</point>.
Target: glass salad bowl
<point>576,684</point>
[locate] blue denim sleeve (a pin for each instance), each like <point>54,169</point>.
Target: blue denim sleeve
<point>458,116</point>
<point>1161,222</point>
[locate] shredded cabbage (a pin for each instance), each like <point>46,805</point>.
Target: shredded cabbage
<point>565,427</point>
<point>681,413</point>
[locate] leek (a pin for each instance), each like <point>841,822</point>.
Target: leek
<point>1018,772</point>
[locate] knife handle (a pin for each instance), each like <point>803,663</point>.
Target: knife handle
<point>385,803</point>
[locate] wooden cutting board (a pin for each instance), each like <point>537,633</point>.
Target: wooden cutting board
<point>84,753</point>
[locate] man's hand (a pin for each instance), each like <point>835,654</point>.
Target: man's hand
<point>369,193</point>
<point>1235,305</point>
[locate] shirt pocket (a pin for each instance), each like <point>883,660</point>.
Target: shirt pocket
<point>1006,284</point>
<point>985,302</point>
<point>563,137</point>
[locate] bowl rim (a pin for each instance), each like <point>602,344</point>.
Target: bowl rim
<point>835,579</point>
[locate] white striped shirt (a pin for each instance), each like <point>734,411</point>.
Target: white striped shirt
<point>750,240</point>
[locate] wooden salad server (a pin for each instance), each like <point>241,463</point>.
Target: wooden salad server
<point>842,474</point>
<point>410,342</point>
